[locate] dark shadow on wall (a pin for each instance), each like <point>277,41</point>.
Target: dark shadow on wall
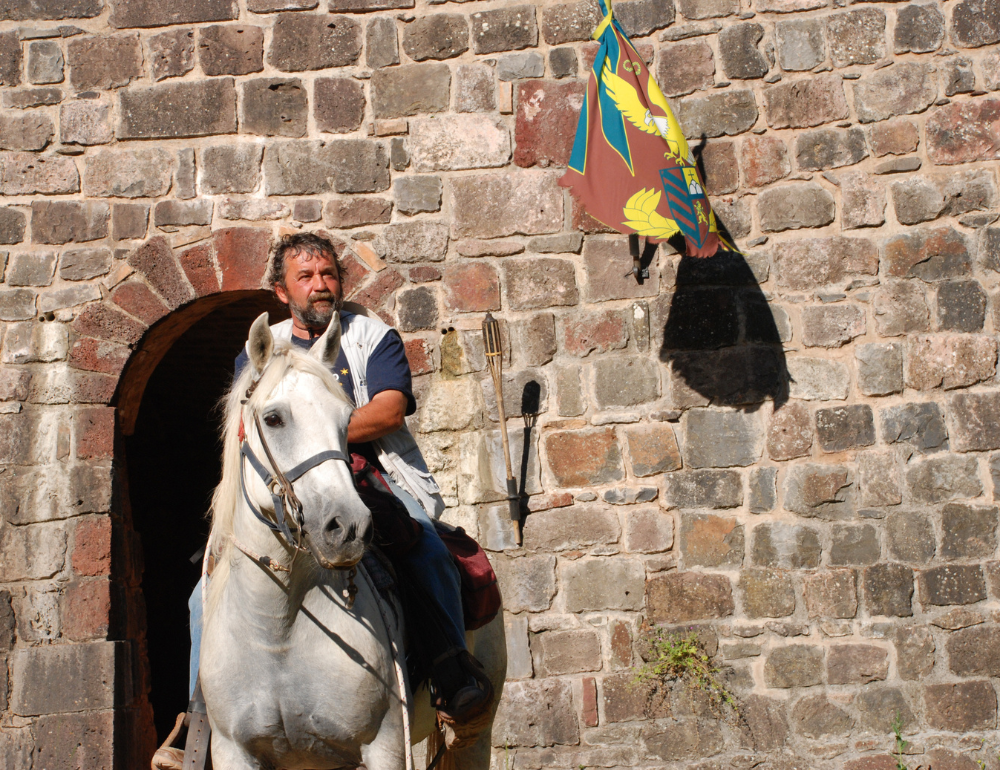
<point>720,336</point>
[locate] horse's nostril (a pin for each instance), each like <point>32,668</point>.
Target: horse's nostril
<point>352,532</point>
<point>332,525</point>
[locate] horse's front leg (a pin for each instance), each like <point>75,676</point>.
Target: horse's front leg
<point>229,755</point>
<point>387,751</point>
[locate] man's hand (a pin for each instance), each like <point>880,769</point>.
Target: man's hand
<point>381,416</point>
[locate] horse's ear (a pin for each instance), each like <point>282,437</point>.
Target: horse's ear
<point>327,348</point>
<point>260,345</point>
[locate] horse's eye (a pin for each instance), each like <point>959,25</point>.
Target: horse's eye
<point>273,420</point>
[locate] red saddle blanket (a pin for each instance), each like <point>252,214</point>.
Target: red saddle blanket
<point>396,533</point>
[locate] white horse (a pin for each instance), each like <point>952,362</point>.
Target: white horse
<point>294,676</point>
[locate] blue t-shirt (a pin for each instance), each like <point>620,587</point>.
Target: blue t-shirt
<point>388,369</point>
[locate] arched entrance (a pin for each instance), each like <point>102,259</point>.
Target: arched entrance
<point>173,462</point>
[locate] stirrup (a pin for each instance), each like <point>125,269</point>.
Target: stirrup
<point>461,730</point>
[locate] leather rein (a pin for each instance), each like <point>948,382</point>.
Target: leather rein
<point>287,506</point>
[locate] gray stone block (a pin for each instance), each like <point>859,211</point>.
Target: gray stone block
<point>303,42</point>
<point>275,107</point>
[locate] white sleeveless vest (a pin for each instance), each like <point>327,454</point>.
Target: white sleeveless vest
<point>398,451</point>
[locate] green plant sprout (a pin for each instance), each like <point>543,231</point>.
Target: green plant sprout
<point>673,656</point>
<point>901,743</point>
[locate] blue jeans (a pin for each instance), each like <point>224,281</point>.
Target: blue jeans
<point>430,559</point>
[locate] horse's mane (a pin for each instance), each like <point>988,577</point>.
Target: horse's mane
<point>227,494</point>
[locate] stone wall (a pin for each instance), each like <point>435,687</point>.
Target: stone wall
<point>792,453</point>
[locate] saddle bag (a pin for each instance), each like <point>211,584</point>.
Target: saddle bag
<point>396,532</point>
<point>480,592</point>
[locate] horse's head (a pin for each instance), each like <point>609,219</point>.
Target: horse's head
<point>303,412</point>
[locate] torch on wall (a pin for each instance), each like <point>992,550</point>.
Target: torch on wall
<point>494,358</point>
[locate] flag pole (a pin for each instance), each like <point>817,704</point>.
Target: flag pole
<point>494,358</point>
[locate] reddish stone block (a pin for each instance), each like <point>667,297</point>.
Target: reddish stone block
<point>942,759</point>
<point>14,384</point>
<point>424,274</point>
<point>964,132</point>
<point>877,762</point>
<point>420,354</point>
<point>353,272</point>
<point>87,388</point>
<point>652,449</point>
<point>722,174</point>
<point>590,718</point>
<point>961,706</point>
<point>764,160</point>
<point>678,597</point>
<point>155,260</point>
<point>136,298</point>
<point>95,433</point>
<point>471,288</point>
<point>893,137</point>
<point>621,645</point>
<point>242,254</point>
<point>584,458</point>
<point>375,294</point>
<point>106,322</point>
<point>92,546</point>
<point>550,501</point>
<point>87,610</point>
<point>547,114</point>
<point>98,356</point>
<point>601,331</point>
<point>198,264</point>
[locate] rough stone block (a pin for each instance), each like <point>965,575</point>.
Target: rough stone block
<point>45,62</point>
<point>949,361</point>
<point>708,540</point>
<point>456,142</point>
<point>68,221</point>
<point>592,585</point>
<point>832,326</point>
<point>708,9</point>
<point>763,489</point>
<point>413,241</point>
<point>569,22</point>
<point>704,489</point>
<point>82,264</point>
<point>557,722</point>
<point>338,105</point>
<point>584,458</point>
<point>919,29</point>
<point>100,63</point>
<point>416,194</point>
<point>566,652</point>
<point>931,254</point>
<point>815,490</point>
<point>133,173</point>
<point>722,174</point>
<point>973,24</point>
<point>880,368</point>
<point>889,590</point>
<point>437,36</point>
<point>767,593</point>
<point>648,530</point>
<point>504,29</point>
<point>685,67</point>
<point>26,173</point>
<point>741,59</point>
<point>795,205</point>
<point>853,545</point>
<point>856,37</point>
<point>90,666</point>
<point>381,44</point>
<point>894,137</point>
<point>801,44</point>
<point>973,415</point>
<point>940,479</point>
<point>25,132</point>
<point>961,706</point>
<point>831,594</point>
<point>882,94</point>
<point>171,54</point>
<point>727,113</point>
<point>625,381</point>
<point>785,546</point>
<point>311,167</point>
<point>974,651</point>
<point>230,168</point>
<point>196,108</point>
<point>31,268</point>
<point>796,665</point>
<point>952,584</point>
<point>968,532</point>
<point>789,433</point>
<point>805,103</point>
<point>920,425</point>
<point>546,113</point>
<point>475,89</point>
<point>652,449</point>
<point>497,205</point>
<point>845,427</point>
<point>231,50</point>
<point>961,306</point>
<point>534,340</point>
<point>304,41</point>
<point>527,583</point>
<point>183,213</point>
<point>813,263</point>
<point>720,439</point>
<point>275,107</point>
<point>85,122</point>
<point>679,597</point>
<point>830,148</point>
<point>595,332</point>
<point>910,537</point>
<point>900,308</point>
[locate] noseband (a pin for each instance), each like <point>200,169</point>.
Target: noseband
<point>287,505</point>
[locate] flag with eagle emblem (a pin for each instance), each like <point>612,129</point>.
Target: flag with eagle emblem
<point>630,166</point>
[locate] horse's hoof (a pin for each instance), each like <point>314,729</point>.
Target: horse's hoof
<point>168,758</point>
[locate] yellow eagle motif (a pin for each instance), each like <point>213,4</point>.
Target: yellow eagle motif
<point>645,219</point>
<point>627,100</point>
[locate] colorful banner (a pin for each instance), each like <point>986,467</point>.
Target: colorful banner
<point>631,167</point>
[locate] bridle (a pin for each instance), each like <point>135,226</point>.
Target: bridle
<point>287,506</point>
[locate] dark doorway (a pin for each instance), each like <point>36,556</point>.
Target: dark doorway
<point>174,463</point>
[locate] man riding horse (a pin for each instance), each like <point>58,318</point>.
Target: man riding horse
<point>374,372</point>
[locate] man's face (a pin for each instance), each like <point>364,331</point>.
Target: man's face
<point>311,289</point>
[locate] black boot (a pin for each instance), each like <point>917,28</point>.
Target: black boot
<point>459,686</point>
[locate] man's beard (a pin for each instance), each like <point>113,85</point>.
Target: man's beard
<point>314,318</point>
